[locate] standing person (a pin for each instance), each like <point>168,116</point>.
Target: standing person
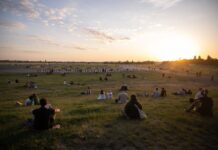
<point>43,117</point>
<point>133,108</point>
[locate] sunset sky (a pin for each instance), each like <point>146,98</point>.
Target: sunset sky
<point>108,30</point>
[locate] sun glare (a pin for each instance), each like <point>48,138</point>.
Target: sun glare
<point>173,47</point>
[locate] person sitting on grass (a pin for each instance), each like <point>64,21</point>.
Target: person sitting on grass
<point>101,95</point>
<point>203,105</point>
<point>44,116</point>
<point>133,109</point>
<point>122,97</point>
<point>156,93</point>
<point>109,95</point>
<point>32,100</point>
<point>199,94</point>
<point>163,92</point>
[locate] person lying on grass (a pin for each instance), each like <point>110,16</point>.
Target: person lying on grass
<point>44,116</point>
<point>203,105</point>
<point>133,109</point>
<point>183,92</point>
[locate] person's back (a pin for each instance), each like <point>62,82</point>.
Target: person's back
<point>199,94</point>
<point>122,97</point>
<point>43,117</point>
<point>131,109</point>
<point>156,93</point>
<point>206,108</point>
<point>163,93</point>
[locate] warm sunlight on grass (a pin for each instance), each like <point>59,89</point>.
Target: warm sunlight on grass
<point>173,47</point>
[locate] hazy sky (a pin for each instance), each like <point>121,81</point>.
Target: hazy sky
<point>105,30</point>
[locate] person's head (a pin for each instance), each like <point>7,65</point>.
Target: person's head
<point>43,102</point>
<point>34,95</point>
<point>200,89</point>
<point>101,92</point>
<point>205,92</point>
<point>133,98</point>
<point>156,89</point>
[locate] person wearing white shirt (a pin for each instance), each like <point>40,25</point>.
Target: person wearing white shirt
<point>102,95</point>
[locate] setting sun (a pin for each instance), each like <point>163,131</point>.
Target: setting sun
<point>173,47</point>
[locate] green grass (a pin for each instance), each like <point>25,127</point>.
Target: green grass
<point>87,123</point>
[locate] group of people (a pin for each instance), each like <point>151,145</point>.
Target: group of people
<point>31,100</point>
<point>159,93</point>
<point>44,116</point>
<point>105,95</point>
<point>201,103</point>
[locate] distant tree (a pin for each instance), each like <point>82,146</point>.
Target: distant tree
<point>199,57</point>
<point>209,57</point>
<point>195,58</point>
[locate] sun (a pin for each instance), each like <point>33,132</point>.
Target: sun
<point>173,47</point>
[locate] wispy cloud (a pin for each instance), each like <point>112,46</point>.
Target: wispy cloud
<point>51,42</point>
<point>102,36</point>
<point>12,25</point>
<point>33,9</point>
<point>45,40</point>
<point>20,7</point>
<point>162,3</point>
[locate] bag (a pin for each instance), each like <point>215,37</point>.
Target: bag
<point>142,114</point>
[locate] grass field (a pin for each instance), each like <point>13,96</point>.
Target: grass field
<point>87,123</point>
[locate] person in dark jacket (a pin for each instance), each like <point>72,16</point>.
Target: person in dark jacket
<point>131,108</point>
<point>43,117</point>
<point>163,92</point>
<point>203,105</point>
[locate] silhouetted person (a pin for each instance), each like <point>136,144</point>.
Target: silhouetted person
<point>43,117</point>
<point>163,92</point>
<point>16,81</point>
<point>131,108</point>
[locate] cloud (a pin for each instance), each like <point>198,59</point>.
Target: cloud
<point>102,36</point>
<point>52,42</point>
<point>45,40</point>
<point>33,9</point>
<point>12,25</point>
<point>20,7</point>
<point>161,3</point>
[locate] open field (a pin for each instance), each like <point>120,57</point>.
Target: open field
<point>87,123</point>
